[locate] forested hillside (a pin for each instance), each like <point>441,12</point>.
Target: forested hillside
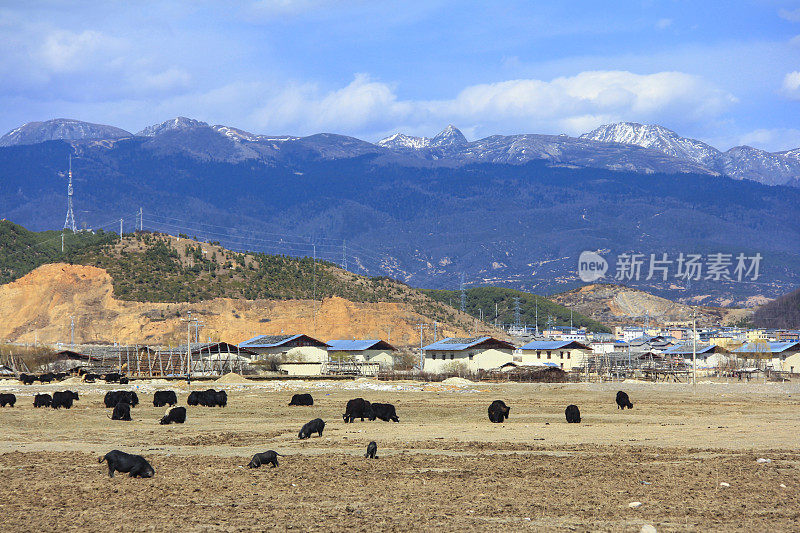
<point>783,312</point>
<point>487,299</point>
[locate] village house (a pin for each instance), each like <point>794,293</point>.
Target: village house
<point>782,356</point>
<point>471,354</point>
<point>707,356</point>
<point>564,354</point>
<point>363,350</point>
<point>298,347</point>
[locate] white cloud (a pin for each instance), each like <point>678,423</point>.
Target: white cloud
<point>777,139</point>
<point>572,105</point>
<point>790,15</point>
<point>791,85</point>
<point>663,24</point>
<point>67,51</point>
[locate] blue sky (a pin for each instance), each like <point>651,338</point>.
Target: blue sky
<point>724,72</point>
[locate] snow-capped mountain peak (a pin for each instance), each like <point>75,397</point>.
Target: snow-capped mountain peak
<point>401,141</point>
<point>449,137</point>
<point>60,128</point>
<point>235,133</point>
<point>177,123</point>
<point>657,137</point>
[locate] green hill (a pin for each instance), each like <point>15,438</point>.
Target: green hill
<point>153,267</point>
<point>22,251</point>
<point>486,298</point>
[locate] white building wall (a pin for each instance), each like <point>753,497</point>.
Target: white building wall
<point>566,359</point>
<point>437,361</point>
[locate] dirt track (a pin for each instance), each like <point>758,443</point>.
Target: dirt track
<point>443,466</point>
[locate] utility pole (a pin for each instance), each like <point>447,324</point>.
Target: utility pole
<point>120,230</point>
<point>141,220</point>
<point>189,323</point>
<point>314,275</point>
<point>463,295</point>
<point>694,349</point>
<point>536,301</point>
<point>422,326</point>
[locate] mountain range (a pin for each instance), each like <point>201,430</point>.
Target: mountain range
<point>505,210</point>
<point>623,146</point>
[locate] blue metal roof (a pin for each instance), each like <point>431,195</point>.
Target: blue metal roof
<point>270,341</point>
<point>686,349</point>
<point>771,347</point>
<point>454,344</point>
<point>356,345</point>
<point>549,345</point>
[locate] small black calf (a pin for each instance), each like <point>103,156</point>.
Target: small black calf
<point>6,398</point>
<point>302,399</point>
<point>134,465</point>
<point>623,401</point>
<point>315,426</point>
<point>573,414</point>
<point>42,400</point>
<point>174,414</point>
<point>498,411</point>
<point>164,397</point>
<point>122,411</point>
<point>269,457</point>
<point>372,450</point>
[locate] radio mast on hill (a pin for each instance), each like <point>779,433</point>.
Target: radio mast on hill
<point>69,222</point>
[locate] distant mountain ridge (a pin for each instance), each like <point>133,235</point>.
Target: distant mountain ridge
<point>515,211</point>
<point>624,146</point>
<point>740,162</point>
<point>60,128</point>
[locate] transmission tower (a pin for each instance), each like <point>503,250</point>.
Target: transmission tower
<point>69,222</point>
<point>463,295</point>
<point>517,315</point>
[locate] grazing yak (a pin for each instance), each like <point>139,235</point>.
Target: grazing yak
<point>113,397</point>
<point>63,399</point>
<point>498,411</point>
<point>123,380</point>
<point>164,397</point>
<point>174,414</point>
<point>573,414</point>
<point>90,378</point>
<point>315,426</point>
<point>133,465</point>
<point>27,379</point>
<point>42,400</point>
<point>6,398</point>
<point>269,457</point>
<point>122,411</point>
<point>356,408</point>
<point>302,399</point>
<point>208,398</point>
<point>372,450</point>
<point>112,377</point>
<point>384,411</point>
<point>623,401</point>
<point>47,377</point>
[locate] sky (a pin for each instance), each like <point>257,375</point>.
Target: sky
<point>727,73</point>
